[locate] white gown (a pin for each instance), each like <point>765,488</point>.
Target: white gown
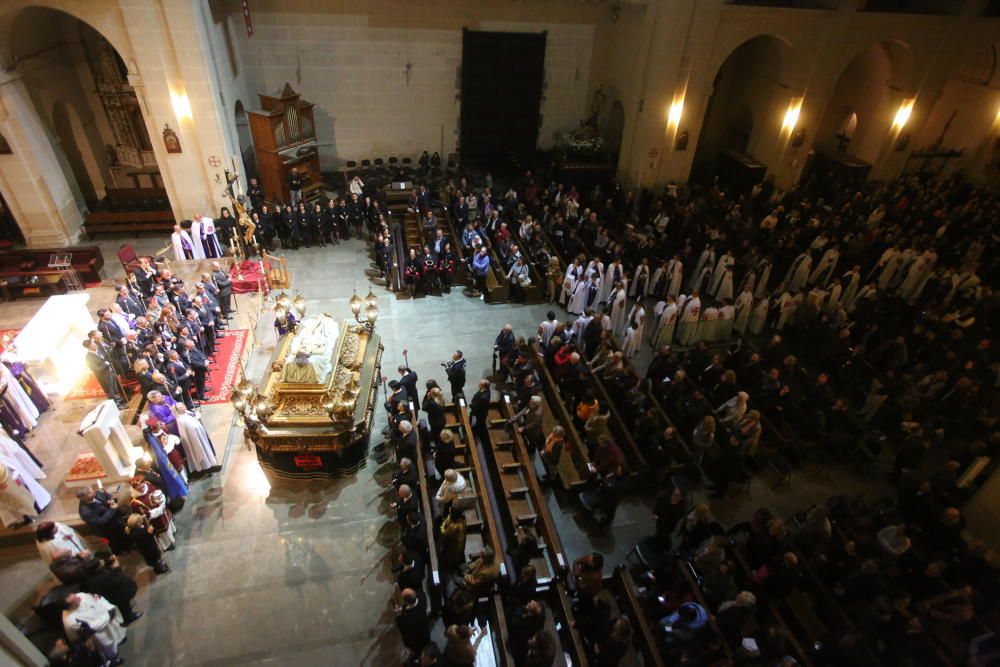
<point>851,291</point>
<point>759,318</point>
<point>11,511</point>
<point>763,277</point>
<point>708,329</point>
<point>743,306</point>
<point>676,271</point>
<point>569,283</point>
<point>890,261</point>
<point>687,333</point>
<point>579,300</point>
<point>724,327</point>
<point>668,324</point>
<point>65,538</point>
<point>724,290</point>
<point>19,400</point>
<point>706,259</point>
<point>637,319</point>
<point>821,274</point>
<point>197,445</point>
<point>798,273</point>
<point>725,262</point>
<point>618,304</point>
<point>102,617</point>
<point>175,241</point>
<point>630,342</point>
<point>197,248</point>
<point>612,275</point>
<point>640,282</point>
<point>12,450</point>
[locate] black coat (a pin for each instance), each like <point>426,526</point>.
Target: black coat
<point>413,626</point>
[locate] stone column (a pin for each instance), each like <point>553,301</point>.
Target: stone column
<point>32,179</point>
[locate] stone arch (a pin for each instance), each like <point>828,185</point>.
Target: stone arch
<point>750,85</point>
<point>872,83</point>
<point>83,165</point>
<point>104,16</point>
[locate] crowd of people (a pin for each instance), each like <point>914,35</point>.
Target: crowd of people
<point>833,323</point>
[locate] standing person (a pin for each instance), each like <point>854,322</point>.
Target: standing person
<point>198,363</point>
<point>225,286</point>
<point>295,186</point>
<point>408,380</point>
<point>143,536</point>
<point>100,366</point>
<point>99,510</point>
<point>453,533</point>
<point>181,242</point>
<point>480,267</point>
<point>17,505</point>
<point>455,369</point>
<point>52,536</point>
<point>433,406</point>
<point>411,619</point>
<point>198,448</point>
<point>519,279</point>
<point>479,407</point>
<point>85,613</point>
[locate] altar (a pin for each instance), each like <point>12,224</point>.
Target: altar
<point>310,414</point>
<point>51,344</point>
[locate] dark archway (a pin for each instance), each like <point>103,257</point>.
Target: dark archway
<point>743,90</point>
<point>246,140</point>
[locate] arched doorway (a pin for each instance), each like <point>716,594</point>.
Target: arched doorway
<point>246,141</point>
<point>615,127</point>
<point>79,87</point>
<point>745,87</point>
<point>862,104</point>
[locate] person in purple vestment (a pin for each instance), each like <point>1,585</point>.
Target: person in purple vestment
<point>161,407</point>
<point>285,322</point>
<point>28,383</point>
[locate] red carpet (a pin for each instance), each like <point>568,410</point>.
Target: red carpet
<point>222,376</point>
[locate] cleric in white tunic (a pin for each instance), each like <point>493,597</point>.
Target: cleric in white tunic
<point>181,241</point>
<point>25,477</point>
<point>89,610</point>
<point>52,537</point>
<point>197,238</point>
<point>197,445</point>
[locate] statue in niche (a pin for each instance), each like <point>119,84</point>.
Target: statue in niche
<point>799,137</point>
<point>171,140</point>
<point>682,141</point>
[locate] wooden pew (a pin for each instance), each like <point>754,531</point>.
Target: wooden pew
<point>569,636</point>
<point>519,495</point>
<point>573,467</point>
<point>630,605</point>
<point>434,588</point>
<point>133,222</point>
<point>499,633</point>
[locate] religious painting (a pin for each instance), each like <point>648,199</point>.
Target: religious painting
<point>682,141</point>
<point>798,137</point>
<point>171,140</point>
<point>4,146</point>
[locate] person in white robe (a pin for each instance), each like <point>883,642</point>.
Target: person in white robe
<point>867,292</point>
<point>798,272</point>
<point>763,277</point>
<point>824,269</point>
<point>748,282</point>
<point>619,302</point>
<point>786,309</point>
<point>675,271</point>
<point>886,266</point>
<point>595,268</point>
<point>724,289</point>
<point>743,307</point>
<point>568,285</point>
<point>724,327</point>
<point>53,537</point>
<point>726,262</point>
<point>708,329</point>
<point>640,281</point>
<point>197,239</point>
<point>637,320</point>
<point>658,284</point>
<point>706,259</point>
<point>668,324</point>
<point>832,300</point>
<point>579,300</point>
<point>17,398</point>
<point>630,341</point>
<point>687,327</point>
<point>614,274</point>
<point>17,501</point>
<point>183,246</point>
<point>198,447</point>
<point>10,449</point>
<point>917,275</point>
<point>851,281</point>
<point>576,331</point>
<point>906,259</point>
<point>758,320</point>
<point>83,611</point>
<point>210,241</point>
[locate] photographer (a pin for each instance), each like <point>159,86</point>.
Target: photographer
<point>455,369</point>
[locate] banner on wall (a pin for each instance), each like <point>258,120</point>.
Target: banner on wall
<point>246,17</point>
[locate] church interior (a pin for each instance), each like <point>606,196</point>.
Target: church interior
<point>499,333</point>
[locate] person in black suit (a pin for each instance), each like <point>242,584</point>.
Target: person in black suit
<point>129,302</point>
<point>397,396</point>
<point>479,407</point>
<point>197,362</point>
<point>193,323</point>
<point>225,287</point>
<point>295,186</point>
<point>103,371</point>
<point>113,336</point>
<point>408,380</point>
<point>144,275</point>
<point>411,619</point>
<point>331,222</point>
<point>100,511</point>
<point>455,369</point>
<point>182,376</point>
<point>255,194</point>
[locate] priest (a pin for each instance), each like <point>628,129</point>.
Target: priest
<point>17,411</point>
<point>198,238</point>
<point>89,614</point>
<point>198,447</point>
<point>17,502</point>
<point>161,407</point>
<point>24,378</point>
<point>183,246</point>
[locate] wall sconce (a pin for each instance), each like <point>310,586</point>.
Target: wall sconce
<point>903,114</point>
<point>181,104</point>
<point>792,114</point>
<point>675,111</point>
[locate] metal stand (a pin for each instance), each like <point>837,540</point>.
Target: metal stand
<point>64,265</point>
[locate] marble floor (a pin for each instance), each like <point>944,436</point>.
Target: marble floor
<point>299,575</point>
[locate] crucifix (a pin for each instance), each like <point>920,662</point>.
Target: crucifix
<point>842,141</point>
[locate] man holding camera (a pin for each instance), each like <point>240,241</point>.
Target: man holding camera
<point>455,370</point>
